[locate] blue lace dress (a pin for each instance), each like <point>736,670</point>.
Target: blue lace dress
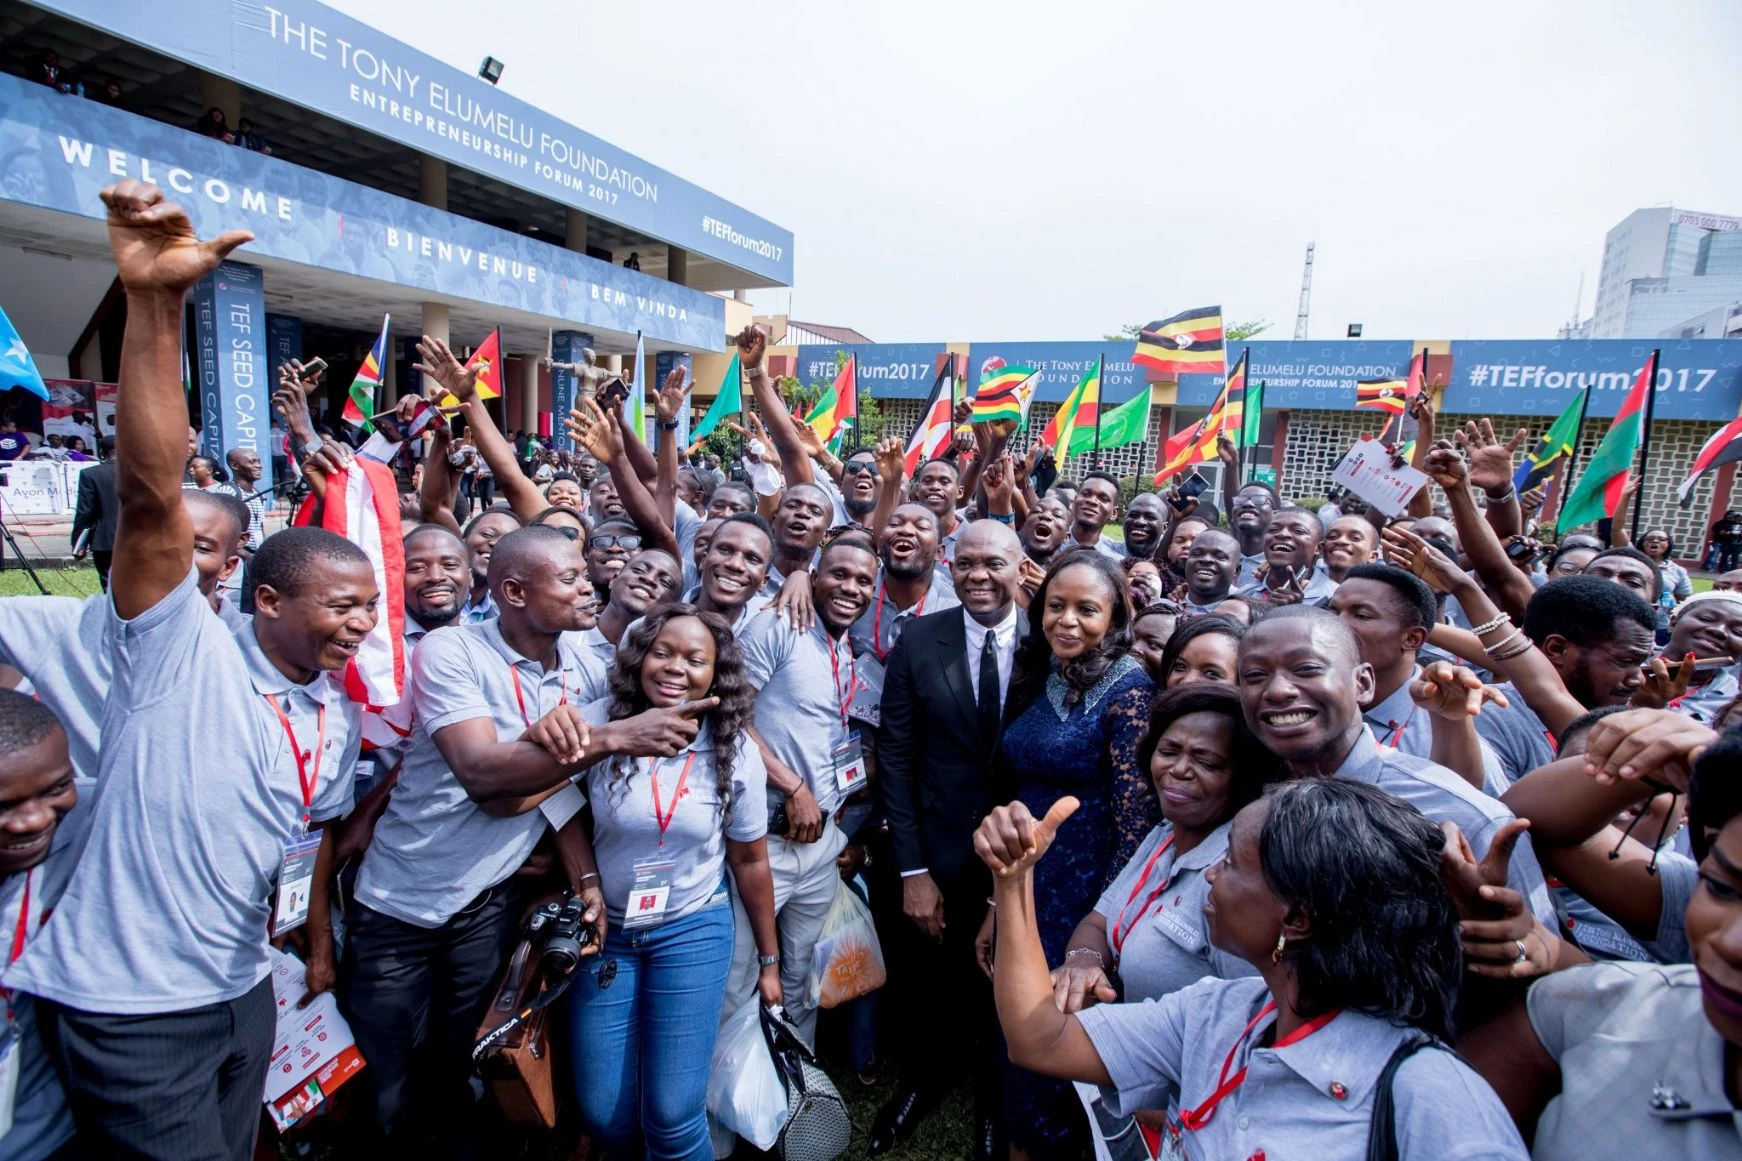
<point>1088,750</point>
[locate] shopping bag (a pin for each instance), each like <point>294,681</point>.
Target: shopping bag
<point>746,1094</point>
<point>848,961</point>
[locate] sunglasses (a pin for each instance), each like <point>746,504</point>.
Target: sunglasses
<point>857,467</point>
<point>629,542</point>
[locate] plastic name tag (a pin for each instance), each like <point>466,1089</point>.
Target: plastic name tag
<point>296,880</point>
<point>649,893</point>
<point>850,764</point>
<point>867,703</point>
<point>9,1054</point>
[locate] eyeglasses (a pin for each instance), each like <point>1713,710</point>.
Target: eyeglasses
<point>625,541</point>
<point>855,467</point>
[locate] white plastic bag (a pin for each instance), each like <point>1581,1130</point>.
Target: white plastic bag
<point>849,960</point>
<point>745,1093</point>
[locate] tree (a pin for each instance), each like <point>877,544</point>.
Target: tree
<point>802,399</point>
<point>1233,333</point>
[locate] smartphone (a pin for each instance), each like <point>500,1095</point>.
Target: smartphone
<point>1706,664</point>
<point>614,391</point>
<point>1194,485</point>
<point>314,369</point>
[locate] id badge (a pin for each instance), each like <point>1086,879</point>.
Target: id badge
<point>649,893</point>
<point>850,764</point>
<point>9,1065</point>
<point>296,880</point>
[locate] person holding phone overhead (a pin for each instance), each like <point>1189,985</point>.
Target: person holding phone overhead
<point>1291,549</point>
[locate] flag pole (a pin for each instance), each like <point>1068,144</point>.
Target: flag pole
<point>1645,440</point>
<point>1565,486</point>
<point>1100,382</point>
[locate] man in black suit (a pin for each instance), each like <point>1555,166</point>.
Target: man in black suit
<point>97,510</point>
<point>944,705</point>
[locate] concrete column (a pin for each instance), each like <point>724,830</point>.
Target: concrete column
<point>614,364</point>
<point>575,233</point>
<point>223,92</point>
<point>432,181</point>
<point>529,393</point>
<point>435,325</point>
<point>677,265</point>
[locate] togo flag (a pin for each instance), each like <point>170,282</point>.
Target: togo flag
<point>362,505</point>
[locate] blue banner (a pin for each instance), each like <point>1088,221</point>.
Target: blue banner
<point>231,365</point>
<point>1309,375</point>
<point>314,56</point>
<point>1061,366</point>
<point>59,151</point>
<point>1696,378</point>
<point>886,370</point>
<point>283,343</point>
<point>565,347</point>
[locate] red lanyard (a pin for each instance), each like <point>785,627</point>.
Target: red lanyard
<point>1119,937</point>
<point>1401,726</point>
<point>1195,1119</point>
<point>18,936</point>
<point>846,699</point>
<point>664,820</point>
<point>303,775</point>
<point>877,621</point>
<point>521,700</point>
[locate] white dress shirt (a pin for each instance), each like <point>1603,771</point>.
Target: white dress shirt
<point>1003,640</point>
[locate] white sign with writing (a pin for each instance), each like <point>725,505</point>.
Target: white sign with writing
<point>1366,471</point>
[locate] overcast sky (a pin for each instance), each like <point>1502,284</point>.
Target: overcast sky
<point>1017,170</point>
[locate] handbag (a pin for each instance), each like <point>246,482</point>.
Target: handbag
<point>514,1046</point>
<point>1382,1129</point>
<point>818,1127</point>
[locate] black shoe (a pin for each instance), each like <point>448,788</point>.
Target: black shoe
<point>989,1143</point>
<point>896,1120</point>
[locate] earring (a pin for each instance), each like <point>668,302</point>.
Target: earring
<point>1281,946</point>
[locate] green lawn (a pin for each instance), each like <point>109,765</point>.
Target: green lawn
<point>69,582</point>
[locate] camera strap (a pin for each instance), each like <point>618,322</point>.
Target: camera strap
<point>539,1003</point>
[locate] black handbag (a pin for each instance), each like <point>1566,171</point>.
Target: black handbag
<point>818,1127</point>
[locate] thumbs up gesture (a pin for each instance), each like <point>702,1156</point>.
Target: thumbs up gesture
<point>1011,840</point>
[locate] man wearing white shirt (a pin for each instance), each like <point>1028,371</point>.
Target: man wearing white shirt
<point>945,699</point>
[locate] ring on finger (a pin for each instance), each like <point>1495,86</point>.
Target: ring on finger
<point>1523,952</point>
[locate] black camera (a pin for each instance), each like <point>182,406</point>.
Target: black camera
<point>1522,550</point>
<point>559,932</point>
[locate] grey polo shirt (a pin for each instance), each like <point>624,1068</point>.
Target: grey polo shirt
<point>685,526</point>
<point>1515,734</point>
<point>1318,592</point>
<point>884,622</point>
<point>1248,574</point>
<point>626,831</point>
<point>1444,797</point>
<point>1401,724</point>
<point>800,697</point>
<point>1704,703</point>
<point>1642,1069</point>
<point>170,904</point>
<point>1104,544</point>
<point>435,850</point>
<point>1164,940</point>
<point>57,643</point>
<point>603,653</point>
<point>1289,1104</point>
<point>40,1120</point>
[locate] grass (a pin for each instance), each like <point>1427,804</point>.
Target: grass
<point>62,582</point>
<point>946,1133</point>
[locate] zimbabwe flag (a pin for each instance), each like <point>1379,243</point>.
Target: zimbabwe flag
<point>1190,342</point>
<point>1004,394</point>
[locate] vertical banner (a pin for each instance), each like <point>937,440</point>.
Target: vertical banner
<point>283,343</point>
<point>230,364</point>
<point>663,362</point>
<point>565,347</point>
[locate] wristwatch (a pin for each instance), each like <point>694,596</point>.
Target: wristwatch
<point>309,449</point>
<point>668,425</point>
<point>767,960</point>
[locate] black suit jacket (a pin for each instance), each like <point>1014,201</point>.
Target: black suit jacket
<point>97,508</point>
<point>933,765</point>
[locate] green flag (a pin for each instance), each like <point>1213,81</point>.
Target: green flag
<point>1252,417</point>
<point>1127,423</point>
<point>1598,492</point>
<point>728,403</point>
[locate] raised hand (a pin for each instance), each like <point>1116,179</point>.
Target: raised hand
<point>1663,683</point>
<point>1010,840</point>
<point>1661,745</point>
<point>752,344</point>
<point>891,457</point>
<point>1530,503</point>
<point>1407,550</point>
<point>1225,449</point>
<point>661,732</point>
<point>1079,983</point>
<point>809,439</point>
<point>437,361</point>
<point>1465,877</point>
<point>1452,693</point>
<point>1490,460</point>
<point>589,427</point>
<point>960,412</point>
<point>1444,466</point>
<point>1000,484</point>
<point>670,400</point>
<point>1501,937</point>
<point>156,249</point>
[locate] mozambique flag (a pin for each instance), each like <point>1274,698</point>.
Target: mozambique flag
<point>1190,342</point>
<point>1555,445</point>
<point>1081,409</point>
<point>1382,394</point>
<point>488,360</point>
<point>1004,394</point>
<point>1598,492</point>
<point>1126,424</point>
<point>838,409</point>
<point>360,404</point>
<point>1725,447</point>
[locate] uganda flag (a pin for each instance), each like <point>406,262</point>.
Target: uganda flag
<point>1197,443</point>
<point>1382,394</point>
<point>1186,343</point>
<point>1234,400</point>
<point>1004,394</point>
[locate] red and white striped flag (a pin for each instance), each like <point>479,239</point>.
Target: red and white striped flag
<point>362,505</point>
<point>932,437</point>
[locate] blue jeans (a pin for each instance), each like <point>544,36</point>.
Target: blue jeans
<point>642,1045</point>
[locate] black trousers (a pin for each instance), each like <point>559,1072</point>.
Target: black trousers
<point>184,1086</point>
<point>948,1022</point>
<point>1727,556</point>
<point>101,560</point>
<point>401,985</point>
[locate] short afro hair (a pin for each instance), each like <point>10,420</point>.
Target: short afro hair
<point>286,560</point>
<point>230,507</point>
<point>1421,610</point>
<point>1632,553</point>
<point>1584,610</point>
<point>518,552</point>
<point>24,721</point>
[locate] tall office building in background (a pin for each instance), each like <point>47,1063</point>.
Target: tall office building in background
<point>1672,273</point>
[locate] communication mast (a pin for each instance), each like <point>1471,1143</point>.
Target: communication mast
<point>1306,294</point>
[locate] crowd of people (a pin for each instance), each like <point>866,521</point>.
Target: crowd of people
<point>1258,831</point>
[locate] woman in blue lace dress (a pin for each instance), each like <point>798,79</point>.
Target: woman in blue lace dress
<point>1079,737</point>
